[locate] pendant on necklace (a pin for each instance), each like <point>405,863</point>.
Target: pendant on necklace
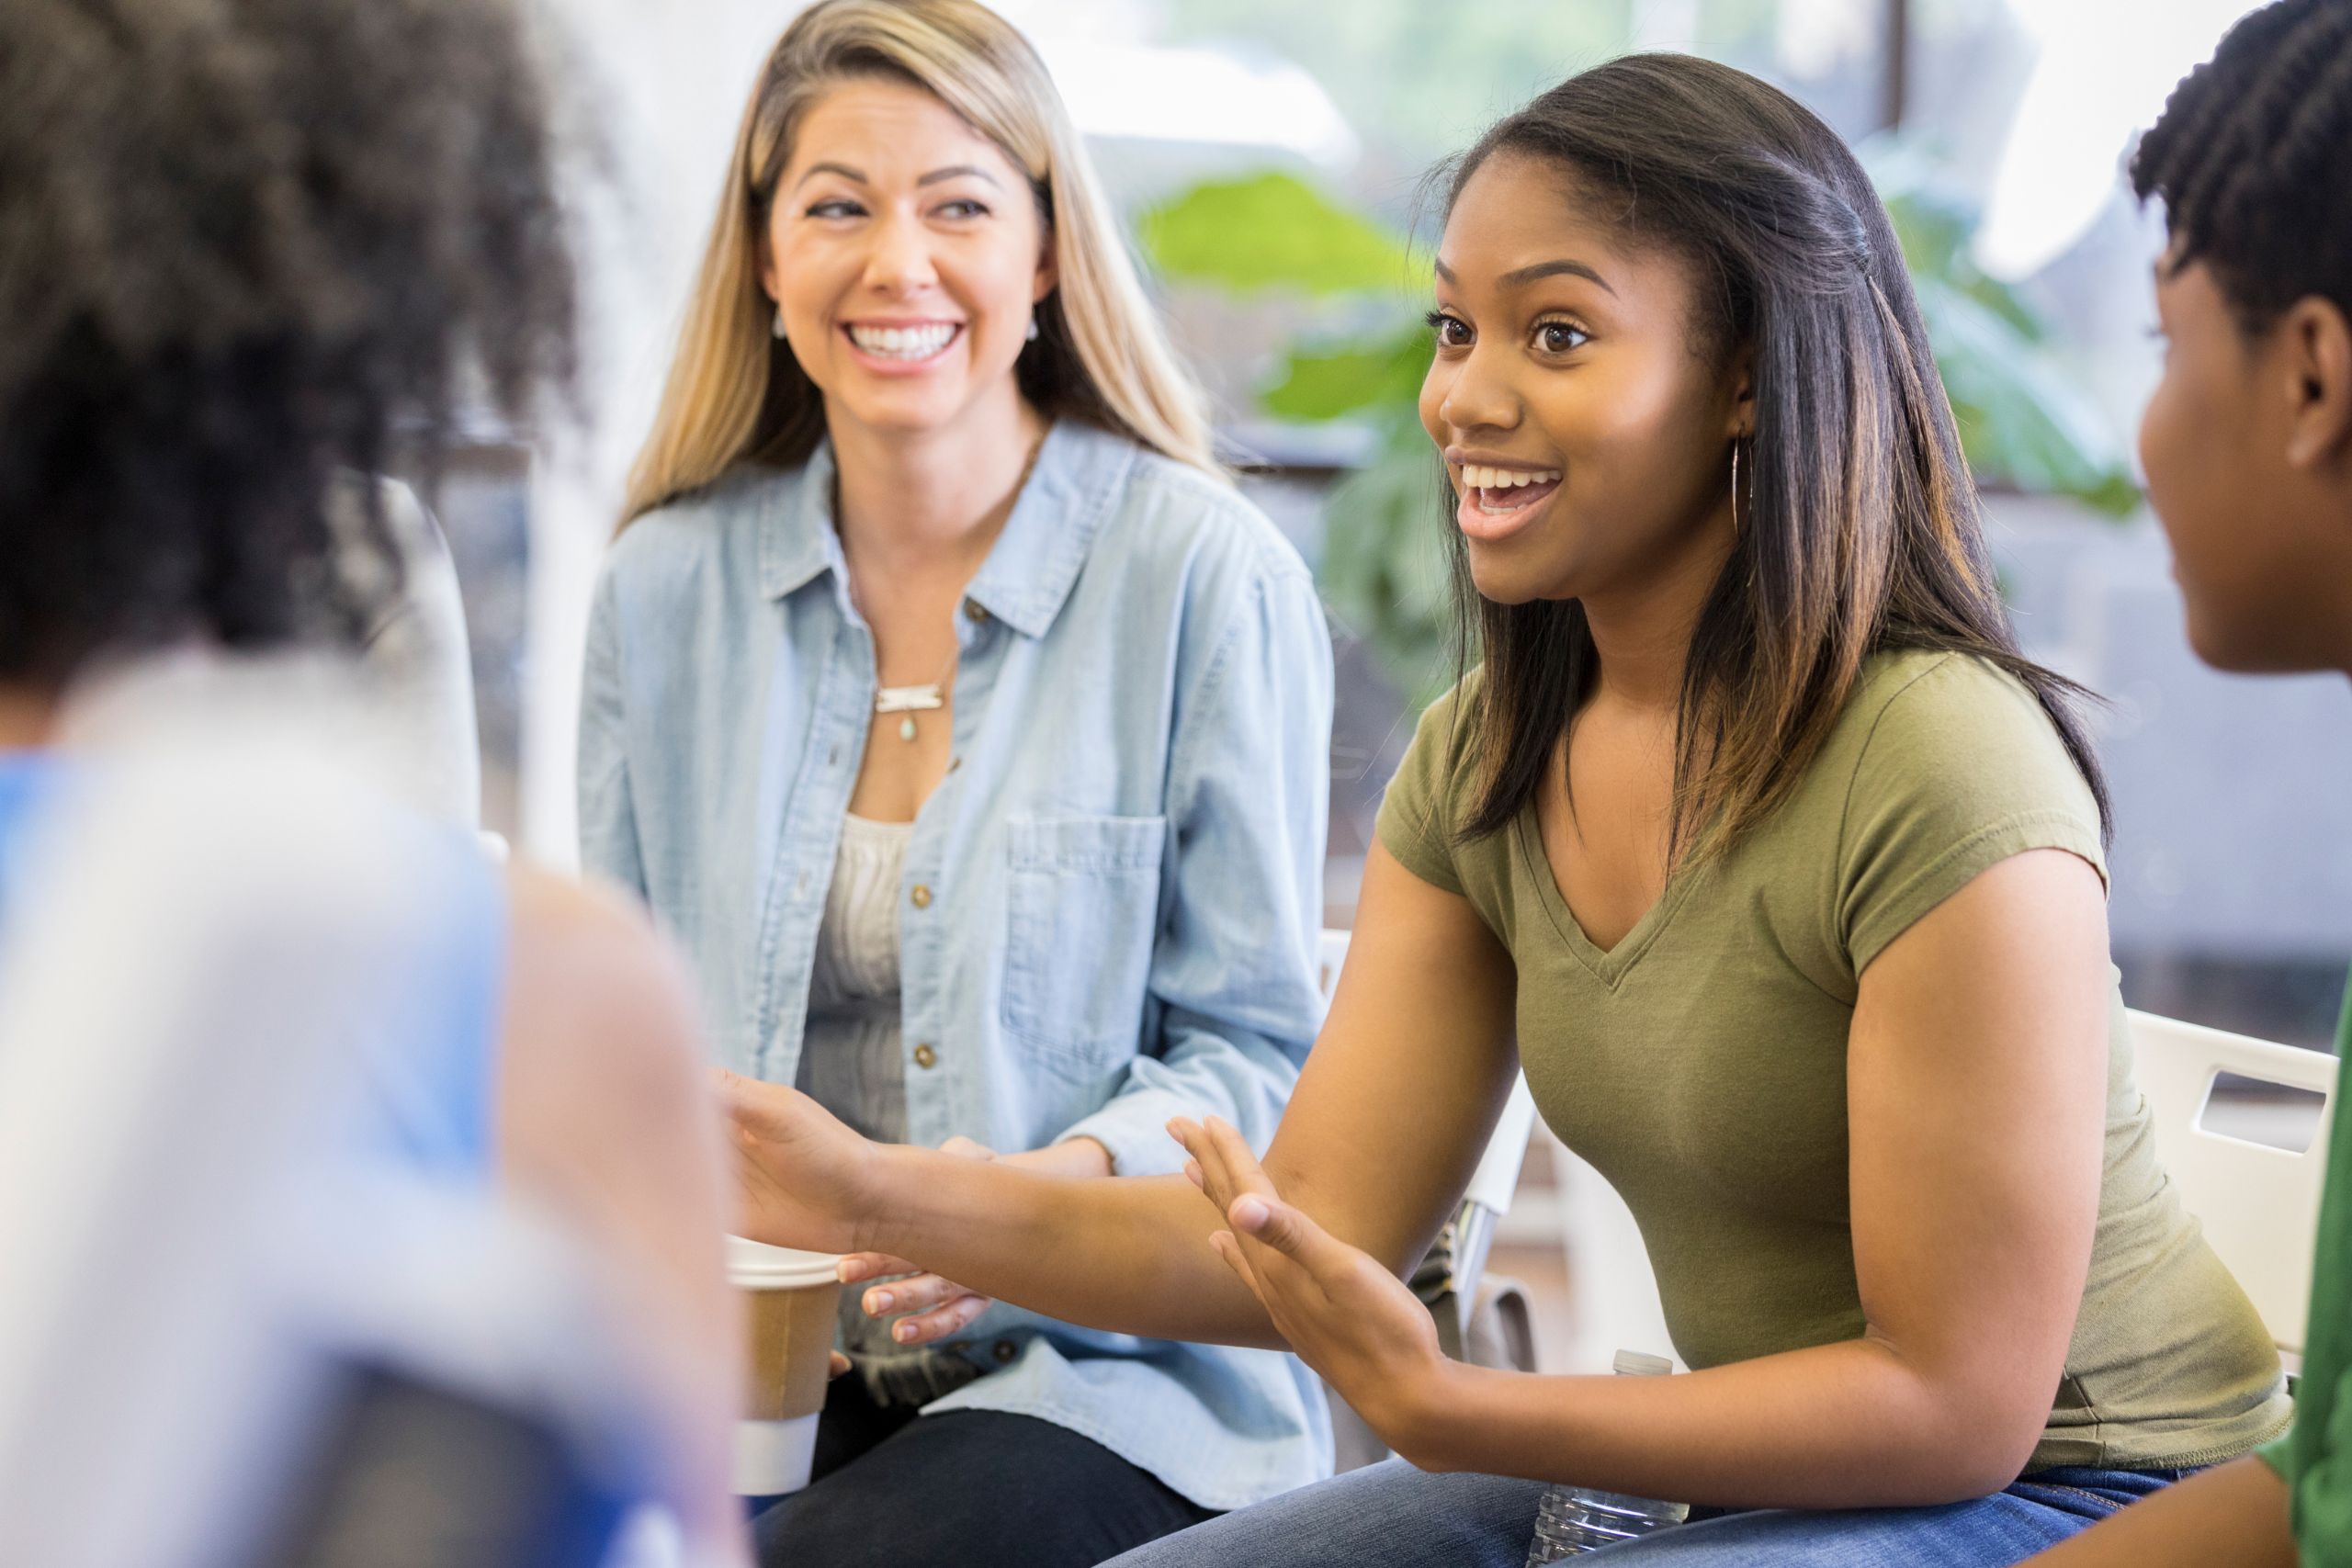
<point>908,701</point>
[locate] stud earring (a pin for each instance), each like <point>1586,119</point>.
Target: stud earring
<point>1032,329</point>
<point>777,327</point>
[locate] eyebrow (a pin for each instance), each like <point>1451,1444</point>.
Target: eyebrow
<point>955,170</point>
<point>932,178</point>
<point>1527,275</point>
<point>841,169</point>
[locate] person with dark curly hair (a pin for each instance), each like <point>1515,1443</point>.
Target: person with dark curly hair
<point>2247,443</point>
<point>249,251</point>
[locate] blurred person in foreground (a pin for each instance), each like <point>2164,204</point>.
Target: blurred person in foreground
<point>250,248</point>
<point>2247,443</point>
<point>971,733</point>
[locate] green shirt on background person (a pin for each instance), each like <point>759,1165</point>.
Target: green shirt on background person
<point>2315,1458</point>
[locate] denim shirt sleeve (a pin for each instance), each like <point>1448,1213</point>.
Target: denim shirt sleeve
<point>607,814</point>
<point>1233,970</point>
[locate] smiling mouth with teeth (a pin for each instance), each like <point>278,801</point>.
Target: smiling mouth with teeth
<point>1507,490</point>
<point>906,343</point>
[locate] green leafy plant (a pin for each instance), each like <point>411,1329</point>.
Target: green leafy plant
<point>2022,422</point>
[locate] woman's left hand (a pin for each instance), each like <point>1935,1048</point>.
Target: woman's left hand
<point>1350,1319</point>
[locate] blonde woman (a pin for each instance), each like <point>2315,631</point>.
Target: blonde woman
<point>971,732</point>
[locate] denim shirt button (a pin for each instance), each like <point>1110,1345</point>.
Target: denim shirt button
<point>1005,1351</point>
<point>921,897</point>
<point>975,612</point>
<point>926,1056</point>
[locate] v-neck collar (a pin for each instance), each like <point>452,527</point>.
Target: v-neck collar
<point>1609,966</point>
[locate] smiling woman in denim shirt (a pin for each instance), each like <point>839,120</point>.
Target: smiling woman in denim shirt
<point>971,732</point>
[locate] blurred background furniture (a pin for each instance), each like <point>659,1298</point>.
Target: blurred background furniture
<point>2258,1201</point>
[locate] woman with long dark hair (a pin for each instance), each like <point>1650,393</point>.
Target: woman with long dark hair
<point>1757,842</point>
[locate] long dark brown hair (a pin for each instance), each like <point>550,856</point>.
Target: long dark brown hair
<point>1860,524</point>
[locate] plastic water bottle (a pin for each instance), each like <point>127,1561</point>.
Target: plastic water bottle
<point>1579,1519</point>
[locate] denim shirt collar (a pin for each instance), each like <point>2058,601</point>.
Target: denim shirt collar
<point>1030,569</point>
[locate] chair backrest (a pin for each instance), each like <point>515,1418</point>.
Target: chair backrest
<point>2259,1205</point>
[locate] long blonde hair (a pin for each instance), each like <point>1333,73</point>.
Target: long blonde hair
<point>736,392</point>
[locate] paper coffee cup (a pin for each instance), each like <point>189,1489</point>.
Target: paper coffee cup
<point>791,1299</point>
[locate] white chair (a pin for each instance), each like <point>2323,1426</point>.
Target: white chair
<point>2259,1205</point>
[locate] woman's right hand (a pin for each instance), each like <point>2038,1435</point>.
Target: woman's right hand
<point>804,1179</point>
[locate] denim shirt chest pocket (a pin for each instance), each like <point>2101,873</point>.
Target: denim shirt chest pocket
<point>1082,917</point>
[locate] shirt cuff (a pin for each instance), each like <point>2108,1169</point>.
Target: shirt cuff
<point>1134,1127</point>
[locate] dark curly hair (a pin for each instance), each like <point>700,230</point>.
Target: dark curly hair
<point>246,247</point>
<point>2253,157</point>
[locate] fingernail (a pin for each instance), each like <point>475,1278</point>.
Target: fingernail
<point>904,1333</point>
<point>877,1300</point>
<point>851,1271</point>
<point>1248,1212</point>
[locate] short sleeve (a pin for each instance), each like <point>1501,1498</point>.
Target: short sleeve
<point>1417,814</point>
<point>1961,770</point>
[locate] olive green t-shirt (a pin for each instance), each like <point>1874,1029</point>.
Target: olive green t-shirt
<point>2315,1459</point>
<point>1700,1065</point>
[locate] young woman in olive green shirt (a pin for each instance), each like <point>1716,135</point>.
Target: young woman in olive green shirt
<point>2248,445</point>
<point>1757,842</point>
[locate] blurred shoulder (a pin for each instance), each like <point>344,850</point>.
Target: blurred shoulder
<point>591,977</point>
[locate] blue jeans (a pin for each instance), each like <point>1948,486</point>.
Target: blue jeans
<point>1392,1516</point>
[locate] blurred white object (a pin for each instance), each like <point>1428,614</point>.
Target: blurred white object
<point>1150,93</point>
<point>200,1266</point>
<point>2104,69</point>
<point>414,649</point>
<point>2258,1205</point>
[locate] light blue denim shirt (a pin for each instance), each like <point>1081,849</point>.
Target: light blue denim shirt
<point>1111,902</point>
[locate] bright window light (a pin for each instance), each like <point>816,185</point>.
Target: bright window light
<point>2104,70</point>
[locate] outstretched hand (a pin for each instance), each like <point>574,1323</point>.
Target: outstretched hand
<point>804,1179</point>
<point>1340,1309</point>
